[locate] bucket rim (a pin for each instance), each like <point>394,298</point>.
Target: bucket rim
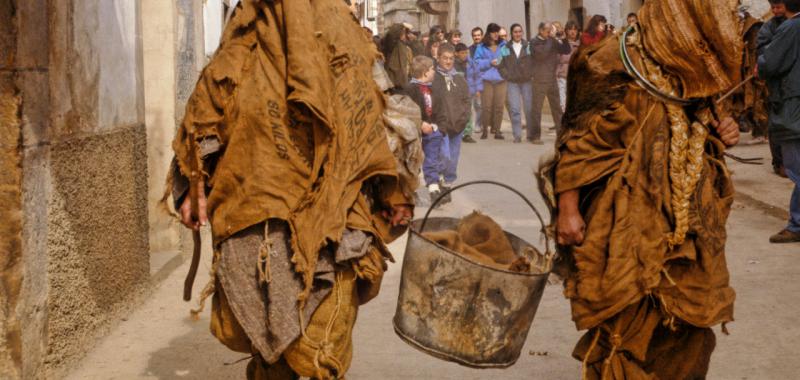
<point>445,356</point>
<point>413,231</point>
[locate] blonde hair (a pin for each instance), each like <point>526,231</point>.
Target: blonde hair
<point>420,65</point>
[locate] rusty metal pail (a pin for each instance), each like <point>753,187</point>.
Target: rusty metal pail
<point>459,310</point>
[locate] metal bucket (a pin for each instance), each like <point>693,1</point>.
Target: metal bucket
<point>459,310</point>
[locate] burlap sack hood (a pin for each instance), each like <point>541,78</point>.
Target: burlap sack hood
<point>291,99</point>
<point>695,40</point>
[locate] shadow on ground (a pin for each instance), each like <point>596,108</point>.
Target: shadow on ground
<point>195,355</point>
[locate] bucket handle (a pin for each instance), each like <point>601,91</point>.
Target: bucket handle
<point>487,182</point>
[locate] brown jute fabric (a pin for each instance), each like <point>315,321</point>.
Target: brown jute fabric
<point>290,97</point>
<point>637,344</point>
<point>481,239</point>
<point>616,149</point>
<point>655,191</point>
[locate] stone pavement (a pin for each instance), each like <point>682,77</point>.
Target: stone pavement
<point>159,341</point>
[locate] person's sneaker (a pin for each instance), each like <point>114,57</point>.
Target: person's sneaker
<point>517,140</point>
<point>468,139</point>
<point>484,135</point>
<point>536,141</point>
<point>434,192</point>
<point>499,136</point>
<point>785,236</point>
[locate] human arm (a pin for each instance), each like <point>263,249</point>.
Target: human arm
<point>474,78</point>
<point>780,55</point>
<point>482,60</point>
<point>502,68</point>
<point>199,140</point>
<point>765,35</point>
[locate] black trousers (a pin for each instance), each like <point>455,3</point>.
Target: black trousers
<point>541,91</point>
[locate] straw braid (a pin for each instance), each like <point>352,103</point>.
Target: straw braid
<point>687,147</point>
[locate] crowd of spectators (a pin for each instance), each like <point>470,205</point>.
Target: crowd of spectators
<point>471,91</point>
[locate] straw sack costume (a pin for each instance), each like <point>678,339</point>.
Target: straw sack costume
<point>650,277</point>
<point>287,127</point>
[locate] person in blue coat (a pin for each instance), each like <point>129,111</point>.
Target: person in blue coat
<point>490,85</point>
<point>780,62</point>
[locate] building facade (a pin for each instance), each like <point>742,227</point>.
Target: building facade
<point>466,14</point>
<point>91,92</point>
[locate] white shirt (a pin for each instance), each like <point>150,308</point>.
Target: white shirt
<point>517,46</point>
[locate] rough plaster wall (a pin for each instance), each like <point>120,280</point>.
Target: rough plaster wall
<point>97,241</point>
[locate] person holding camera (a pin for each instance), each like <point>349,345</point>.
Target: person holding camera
<point>545,53</point>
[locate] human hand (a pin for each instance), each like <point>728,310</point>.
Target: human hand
<point>427,128</point>
<point>400,215</point>
<point>478,94</point>
<point>186,209</point>
<point>570,228</point>
<point>494,62</point>
<point>728,130</point>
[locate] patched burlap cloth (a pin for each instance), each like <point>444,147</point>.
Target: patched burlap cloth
<point>650,278</point>
<point>300,184</point>
<point>479,238</point>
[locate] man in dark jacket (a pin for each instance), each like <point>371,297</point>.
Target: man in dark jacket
<point>451,111</point>
<point>780,63</point>
<point>515,68</point>
<point>477,37</point>
<point>545,51</point>
<point>765,36</point>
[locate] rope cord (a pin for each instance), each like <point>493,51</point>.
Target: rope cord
<point>585,366</point>
<point>324,355</point>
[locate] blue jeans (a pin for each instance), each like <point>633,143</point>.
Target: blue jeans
<point>520,92</point>
<point>441,157</point>
<point>476,105</point>
<point>791,162</point>
<point>432,165</point>
<point>451,150</point>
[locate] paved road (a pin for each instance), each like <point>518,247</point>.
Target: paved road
<point>159,341</point>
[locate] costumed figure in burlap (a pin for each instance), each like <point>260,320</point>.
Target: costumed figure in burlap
<point>305,174</point>
<point>750,104</point>
<point>641,191</point>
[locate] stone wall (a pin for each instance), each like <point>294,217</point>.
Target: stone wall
<point>97,224</point>
<point>11,199</point>
<point>78,233</point>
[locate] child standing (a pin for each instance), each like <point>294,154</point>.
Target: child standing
<point>420,90</point>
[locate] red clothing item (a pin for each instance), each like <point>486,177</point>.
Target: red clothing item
<point>426,94</point>
<point>589,39</point>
